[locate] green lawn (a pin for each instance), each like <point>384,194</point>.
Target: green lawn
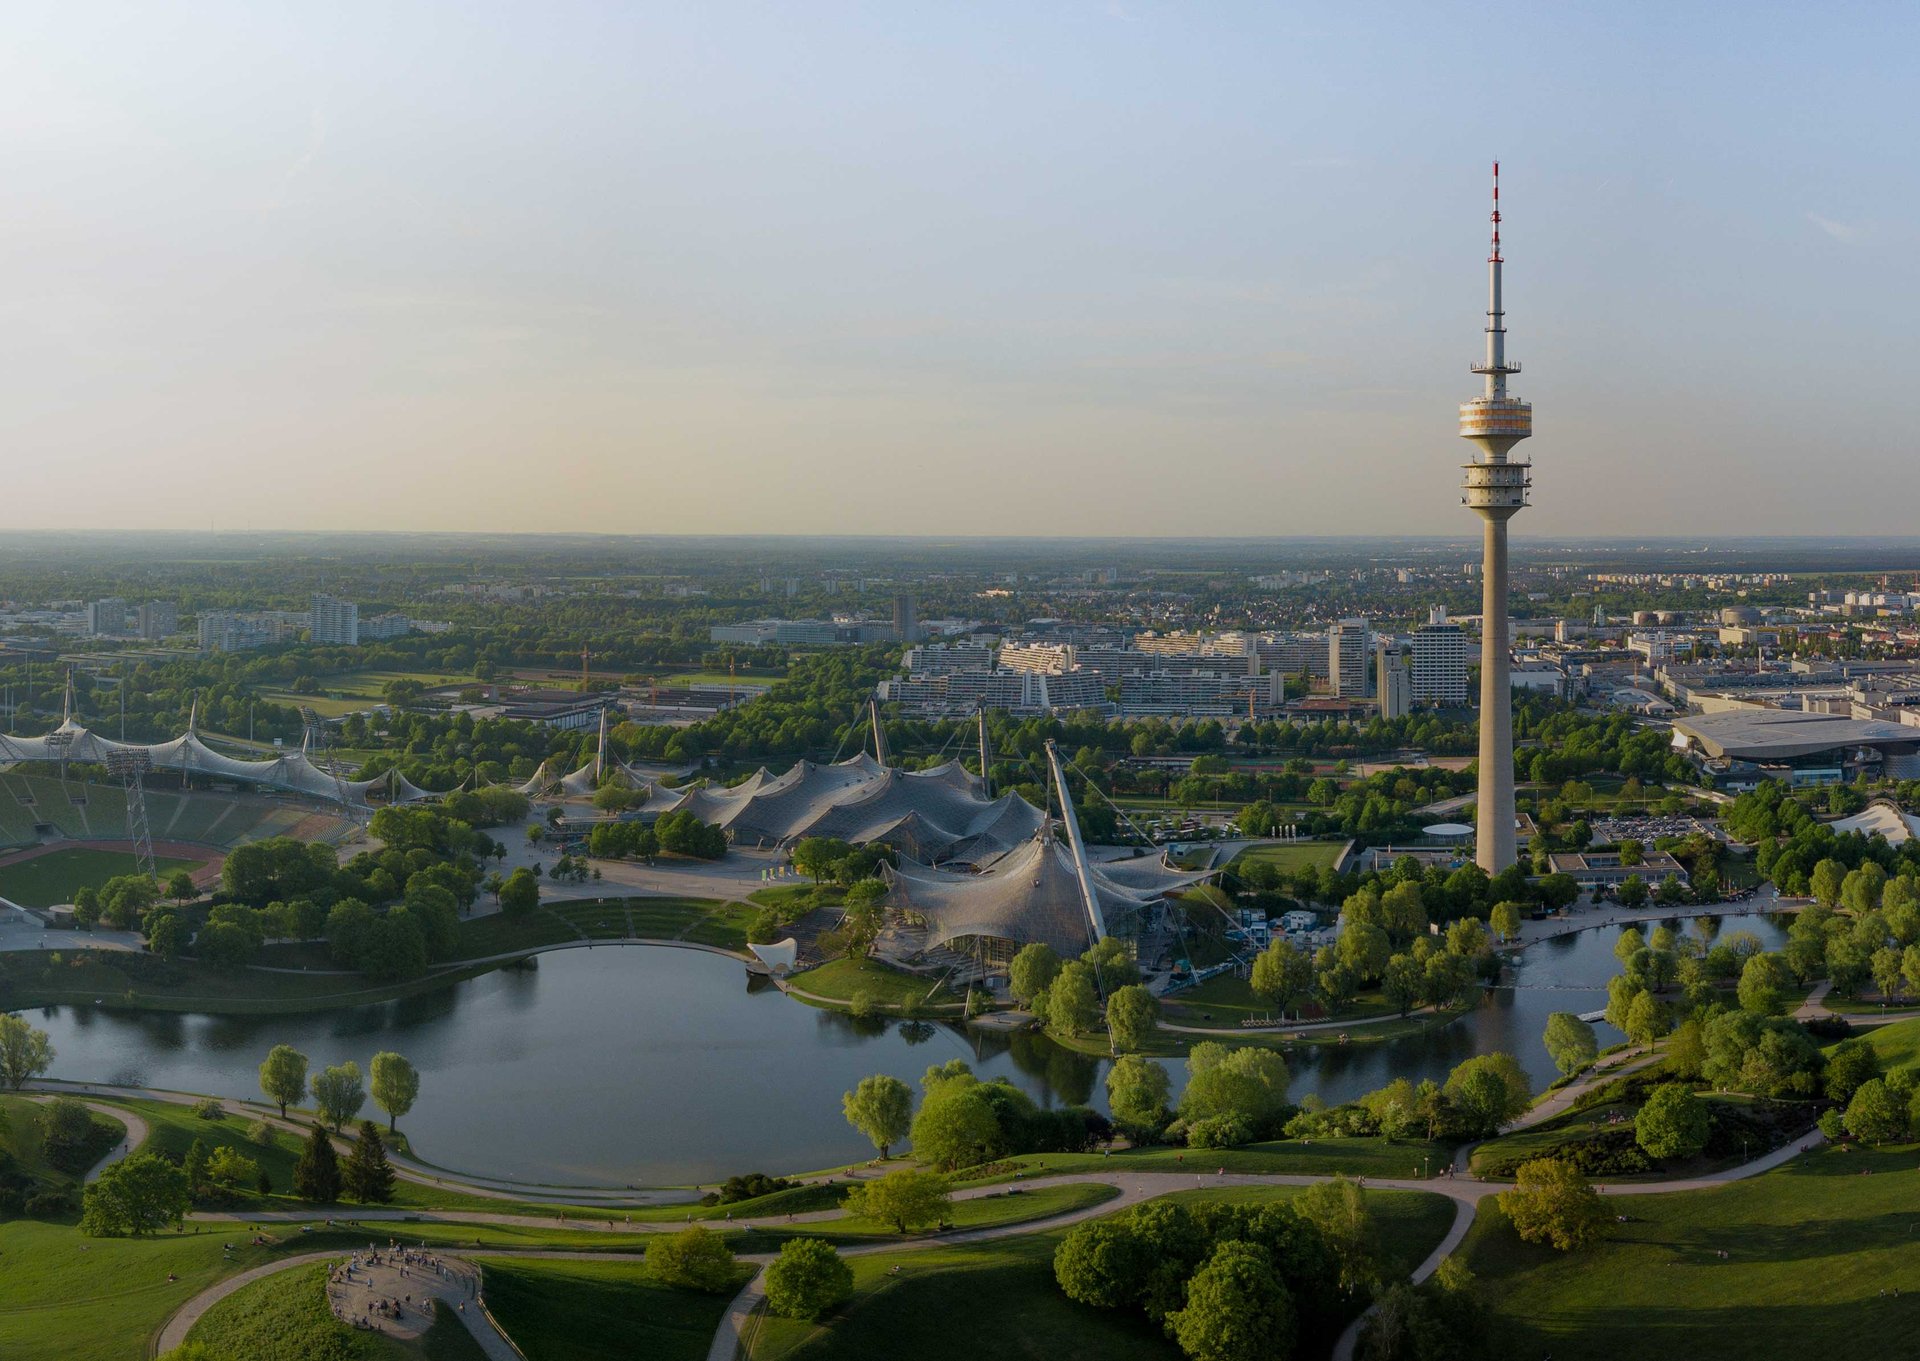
<point>20,1140</point>
<point>840,979</point>
<point>958,1304</point>
<point>68,1298</point>
<point>599,1311</point>
<point>914,1313</point>
<point>981,1212</point>
<point>284,1317</point>
<point>1814,1253</point>
<point>1897,1044</point>
<point>1292,855</point>
<point>1368,1157</point>
<point>48,880</point>
<point>47,977</point>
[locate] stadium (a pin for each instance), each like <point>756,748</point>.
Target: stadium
<point>77,808</point>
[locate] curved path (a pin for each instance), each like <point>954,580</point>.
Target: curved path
<point>1134,1188</point>
<point>412,1169</point>
<point>137,1130</point>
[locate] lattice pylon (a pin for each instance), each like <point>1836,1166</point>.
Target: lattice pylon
<point>131,766</point>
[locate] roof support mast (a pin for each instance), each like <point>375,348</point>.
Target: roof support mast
<point>1082,870</point>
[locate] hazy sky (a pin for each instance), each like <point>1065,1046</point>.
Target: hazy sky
<point>1078,268</point>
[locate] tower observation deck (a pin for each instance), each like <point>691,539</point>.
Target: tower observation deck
<point>1495,489</point>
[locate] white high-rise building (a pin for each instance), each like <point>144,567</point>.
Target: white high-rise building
<point>1350,658</point>
<point>334,621</point>
<point>1394,681</point>
<point>1440,662</point>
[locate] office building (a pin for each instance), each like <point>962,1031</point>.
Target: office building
<point>906,625</point>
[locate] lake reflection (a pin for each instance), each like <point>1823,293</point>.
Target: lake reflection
<point>651,1066</point>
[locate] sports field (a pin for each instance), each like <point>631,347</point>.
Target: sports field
<point>1292,855</point>
<point>48,880</point>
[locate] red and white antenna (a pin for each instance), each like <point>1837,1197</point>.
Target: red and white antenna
<point>1495,257</point>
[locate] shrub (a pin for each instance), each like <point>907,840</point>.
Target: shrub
<point>807,1279</point>
<point>208,1108</point>
<point>749,1187</point>
<point>693,1259</point>
<point>1219,1131</point>
<point>49,1205</point>
<point>260,1132</point>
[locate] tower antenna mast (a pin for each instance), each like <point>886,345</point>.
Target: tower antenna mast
<point>1496,490</point>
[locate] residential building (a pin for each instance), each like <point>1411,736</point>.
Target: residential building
<point>159,619</point>
<point>1439,664</point>
<point>107,618</point>
<point>334,621</point>
<point>1350,658</point>
<point>1393,682</point>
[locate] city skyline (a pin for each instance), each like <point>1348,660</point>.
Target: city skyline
<point>732,271</point>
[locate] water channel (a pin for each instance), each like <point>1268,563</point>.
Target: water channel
<point>653,1066</point>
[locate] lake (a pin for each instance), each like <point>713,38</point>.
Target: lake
<point>654,1066</point>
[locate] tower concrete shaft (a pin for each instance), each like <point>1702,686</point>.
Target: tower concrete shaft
<point>1496,491</point>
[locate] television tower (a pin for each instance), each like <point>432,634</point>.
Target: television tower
<point>1496,490</point>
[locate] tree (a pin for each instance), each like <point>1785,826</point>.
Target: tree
<point>1826,881</point>
<point>808,1279</point>
<point>1505,920</point>
<point>957,1126</point>
<point>520,894</point>
<point>1647,1020</point>
<point>228,1166</point>
<point>1851,1064</point>
<point>1673,1123</point>
<point>1032,972</point>
<point>1552,1203</point>
<point>396,1085</point>
<point>1237,1308</point>
<point>1763,985</point>
<point>1132,1014</point>
<point>316,1176</point>
<point>338,1093</point>
<point>1249,1083</point>
<point>25,1053</point>
<point>1338,1209</point>
<point>1876,1114</point>
<point>1101,1263</point>
<point>1282,976</point>
<point>367,1176</point>
<point>1364,949</point>
<point>283,1077</point>
<point>1073,1007</point>
<point>1486,1091</point>
<point>135,1196</point>
<point>1633,891</point>
<point>1401,983</point>
<point>906,1198</point>
<point>1631,943</point>
<point>695,1258</point>
<point>1570,1042</point>
<point>1886,966</point>
<point>1137,1091</point>
<point>195,1166</point>
<point>881,1108</point>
